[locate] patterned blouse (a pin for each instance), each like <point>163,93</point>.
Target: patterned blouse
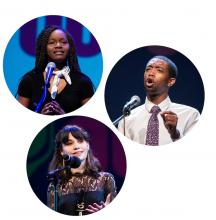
<point>82,190</point>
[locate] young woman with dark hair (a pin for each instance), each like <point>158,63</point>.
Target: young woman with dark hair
<point>81,190</point>
<point>68,88</point>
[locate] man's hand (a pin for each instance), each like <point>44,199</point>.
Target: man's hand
<point>170,121</point>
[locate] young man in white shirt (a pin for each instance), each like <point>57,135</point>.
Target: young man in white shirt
<point>172,120</point>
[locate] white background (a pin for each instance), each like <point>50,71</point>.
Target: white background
<point>175,181</point>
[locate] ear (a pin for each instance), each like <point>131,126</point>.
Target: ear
<point>171,82</point>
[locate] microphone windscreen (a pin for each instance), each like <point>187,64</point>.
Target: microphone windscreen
<point>75,162</point>
<point>72,161</point>
<point>136,98</point>
<point>51,65</point>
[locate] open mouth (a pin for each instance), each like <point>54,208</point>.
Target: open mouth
<point>149,82</point>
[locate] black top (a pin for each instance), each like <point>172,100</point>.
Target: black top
<point>32,84</point>
<point>80,191</point>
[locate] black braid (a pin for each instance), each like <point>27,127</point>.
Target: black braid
<point>41,50</point>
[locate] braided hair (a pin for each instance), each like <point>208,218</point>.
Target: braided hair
<point>41,50</point>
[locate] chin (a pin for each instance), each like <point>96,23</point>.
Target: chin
<point>59,60</point>
<point>80,157</point>
<point>150,90</point>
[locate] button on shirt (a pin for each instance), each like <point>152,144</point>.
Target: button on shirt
<point>136,123</point>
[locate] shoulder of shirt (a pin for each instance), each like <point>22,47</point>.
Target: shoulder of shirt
<point>181,107</point>
<point>30,74</point>
<point>79,75</point>
<point>106,175</point>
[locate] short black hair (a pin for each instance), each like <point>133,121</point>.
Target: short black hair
<point>173,70</point>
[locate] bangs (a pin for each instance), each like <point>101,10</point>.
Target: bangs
<point>77,132</point>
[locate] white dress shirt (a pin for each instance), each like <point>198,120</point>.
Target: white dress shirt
<point>136,123</point>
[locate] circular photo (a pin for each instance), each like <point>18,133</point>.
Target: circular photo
<point>76,165</point>
<point>53,65</point>
<point>154,95</point>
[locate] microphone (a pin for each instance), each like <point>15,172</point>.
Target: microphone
<point>71,161</point>
<point>134,102</point>
<point>49,70</point>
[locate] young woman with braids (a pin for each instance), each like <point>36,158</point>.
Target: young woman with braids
<point>81,190</point>
<point>68,88</point>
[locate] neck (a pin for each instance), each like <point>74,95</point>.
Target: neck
<point>59,66</point>
<point>157,99</point>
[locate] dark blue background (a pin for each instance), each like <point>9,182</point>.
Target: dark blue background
<point>126,80</point>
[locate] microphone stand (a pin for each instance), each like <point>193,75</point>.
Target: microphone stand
<point>42,99</point>
<point>125,112</point>
<point>53,179</point>
<point>118,119</point>
<point>134,102</point>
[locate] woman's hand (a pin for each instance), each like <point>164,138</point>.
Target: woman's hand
<point>96,207</point>
<point>52,108</point>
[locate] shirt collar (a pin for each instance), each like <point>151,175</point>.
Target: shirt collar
<point>164,105</point>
